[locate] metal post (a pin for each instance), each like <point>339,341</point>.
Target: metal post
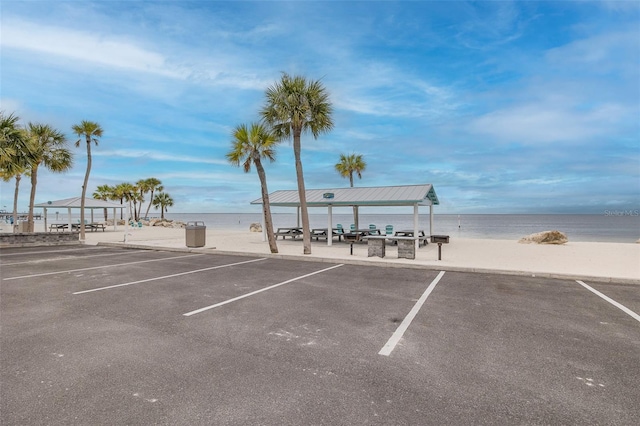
<point>351,249</point>
<point>329,226</point>
<point>439,251</point>
<point>415,227</point>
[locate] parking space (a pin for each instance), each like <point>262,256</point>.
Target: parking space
<point>156,337</point>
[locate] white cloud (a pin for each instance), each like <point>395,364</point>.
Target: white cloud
<point>9,106</point>
<point>82,46</point>
<point>157,156</point>
<point>545,123</point>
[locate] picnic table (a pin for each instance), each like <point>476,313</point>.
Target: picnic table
<point>58,226</point>
<point>76,226</point>
<point>318,233</point>
<point>422,237</point>
<point>95,226</point>
<point>293,232</point>
<point>359,234</point>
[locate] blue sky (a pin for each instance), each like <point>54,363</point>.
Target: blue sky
<point>505,107</point>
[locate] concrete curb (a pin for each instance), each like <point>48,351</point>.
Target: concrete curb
<point>386,264</point>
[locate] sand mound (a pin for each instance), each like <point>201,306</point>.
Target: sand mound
<point>546,237</point>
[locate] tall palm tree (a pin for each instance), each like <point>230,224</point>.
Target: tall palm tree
<point>154,185</point>
<point>162,200</point>
<point>142,188</point>
<point>50,150</point>
<point>91,131</point>
<point>105,193</point>
<point>293,106</point>
<point>347,166</point>
<point>10,138</point>
<point>250,146</point>
<point>15,155</point>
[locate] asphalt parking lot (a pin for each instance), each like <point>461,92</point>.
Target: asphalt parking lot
<point>105,335</point>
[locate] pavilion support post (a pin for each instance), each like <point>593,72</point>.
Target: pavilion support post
<point>115,220</point>
<point>69,217</point>
<point>329,226</point>
<point>431,219</point>
<point>45,218</point>
<point>415,226</point>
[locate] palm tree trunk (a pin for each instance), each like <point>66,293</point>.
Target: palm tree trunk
<point>149,206</point>
<point>84,187</point>
<point>15,204</point>
<point>355,208</point>
<point>266,208</point>
<point>306,232</point>
<point>32,197</point>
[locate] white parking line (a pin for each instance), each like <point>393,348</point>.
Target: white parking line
<point>613,302</point>
<point>395,338</point>
<point>206,308</point>
<point>55,259</point>
<point>47,251</point>
<point>167,276</point>
<point>99,267</point>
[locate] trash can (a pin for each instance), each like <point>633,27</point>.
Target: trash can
<point>23,226</point>
<point>196,234</point>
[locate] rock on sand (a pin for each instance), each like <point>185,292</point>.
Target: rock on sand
<point>255,227</point>
<point>546,237</point>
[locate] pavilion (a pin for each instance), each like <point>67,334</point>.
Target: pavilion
<point>379,196</point>
<point>75,203</point>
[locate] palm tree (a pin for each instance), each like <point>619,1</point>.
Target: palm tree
<point>250,146</point>
<point>348,165</point>
<point>120,192</point>
<point>105,193</point>
<point>162,200</point>
<point>127,192</point>
<point>10,138</point>
<point>15,155</point>
<point>91,132</point>
<point>50,150</point>
<point>295,105</point>
<point>154,185</point>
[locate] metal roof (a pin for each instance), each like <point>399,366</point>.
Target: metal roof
<point>89,203</point>
<point>404,195</point>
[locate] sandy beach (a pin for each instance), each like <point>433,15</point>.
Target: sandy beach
<point>616,262</point>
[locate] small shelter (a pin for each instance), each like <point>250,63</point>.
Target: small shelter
<point>75,203</point>
<point>380,196</point>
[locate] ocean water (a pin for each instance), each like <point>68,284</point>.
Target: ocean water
<point>615,226</point>
<point>621,226</point>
